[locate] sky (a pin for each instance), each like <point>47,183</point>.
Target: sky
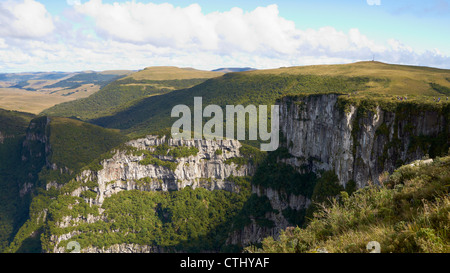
<point>79,35</point>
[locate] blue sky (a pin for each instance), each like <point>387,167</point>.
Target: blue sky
<point>70,35</point>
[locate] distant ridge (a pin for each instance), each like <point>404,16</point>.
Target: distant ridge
<point>234,69</point>
<point>165,73</point>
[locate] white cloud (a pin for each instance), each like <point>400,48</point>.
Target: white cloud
<point>25,19</point>
<point>133,35</point>
<point>167,26</point>
<point>3,43</point>
<point>373,2</point>
<point>73,2</point>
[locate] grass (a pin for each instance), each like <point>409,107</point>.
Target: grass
<point>154,113</point>
<point>126,92</point>
<point>35,93</point>
<point>407,214</point>
<point>403,79</point>
<point>172,73</point>
<point>379,82</point>
<point>30,102</point>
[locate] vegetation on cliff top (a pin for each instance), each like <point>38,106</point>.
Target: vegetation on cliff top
<point>408,213</point>
<point>75,144</point>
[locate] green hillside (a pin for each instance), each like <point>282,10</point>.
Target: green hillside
<point>13,126</point>
<point>165,73</point>
<point>398,79</point>
<point>74,144</point>
<point>125,92</point>
<point>378,82</point>
<point>408,214</point>
<point>153,114</point>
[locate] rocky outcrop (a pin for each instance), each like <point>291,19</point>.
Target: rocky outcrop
<point>358,143</point>
<point>319,132</point>
<point>207,169</point>
<point>125,248</point>
<point>35,152</point>
<point>279,201</point>
<point>124,171</point>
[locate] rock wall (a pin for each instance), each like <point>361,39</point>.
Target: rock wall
<point>358,144</point>
<point>35,153</point>
<point>207,169</point>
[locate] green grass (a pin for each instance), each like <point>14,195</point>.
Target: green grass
<point>387,79</point>
<point>153,114</point>
<point>407,214</point>
<point>378,82</point>
<point>127,91</point>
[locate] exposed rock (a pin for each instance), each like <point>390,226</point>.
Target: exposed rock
<point>123,172</point>
<point>316,132</point>
<point>125,248</point>
<point>206,170</point>
<point>320,134</point>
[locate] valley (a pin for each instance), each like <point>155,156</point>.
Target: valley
<point>364,153</point>
<point>35,92</point>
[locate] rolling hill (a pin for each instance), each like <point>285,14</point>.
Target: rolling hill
<point>57,165</point>
<point>34,92</point>
<point>127,91</point>
<point>380,82</point>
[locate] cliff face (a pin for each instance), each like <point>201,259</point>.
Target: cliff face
<point>207,169</point>
<point>279,202</point>
<point>35,152</point>
<point>320,134</point>
<point>356,143</point>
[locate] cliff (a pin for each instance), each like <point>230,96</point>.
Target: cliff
<point>35,153</point>
<point>356,141</point>
<point>126,171</point>
<point>359,142</point>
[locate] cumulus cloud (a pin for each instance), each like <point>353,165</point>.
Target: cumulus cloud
<point>133,35</point>
<point>261,31</point>
<point>165,25</point>
<point>25,19</point>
